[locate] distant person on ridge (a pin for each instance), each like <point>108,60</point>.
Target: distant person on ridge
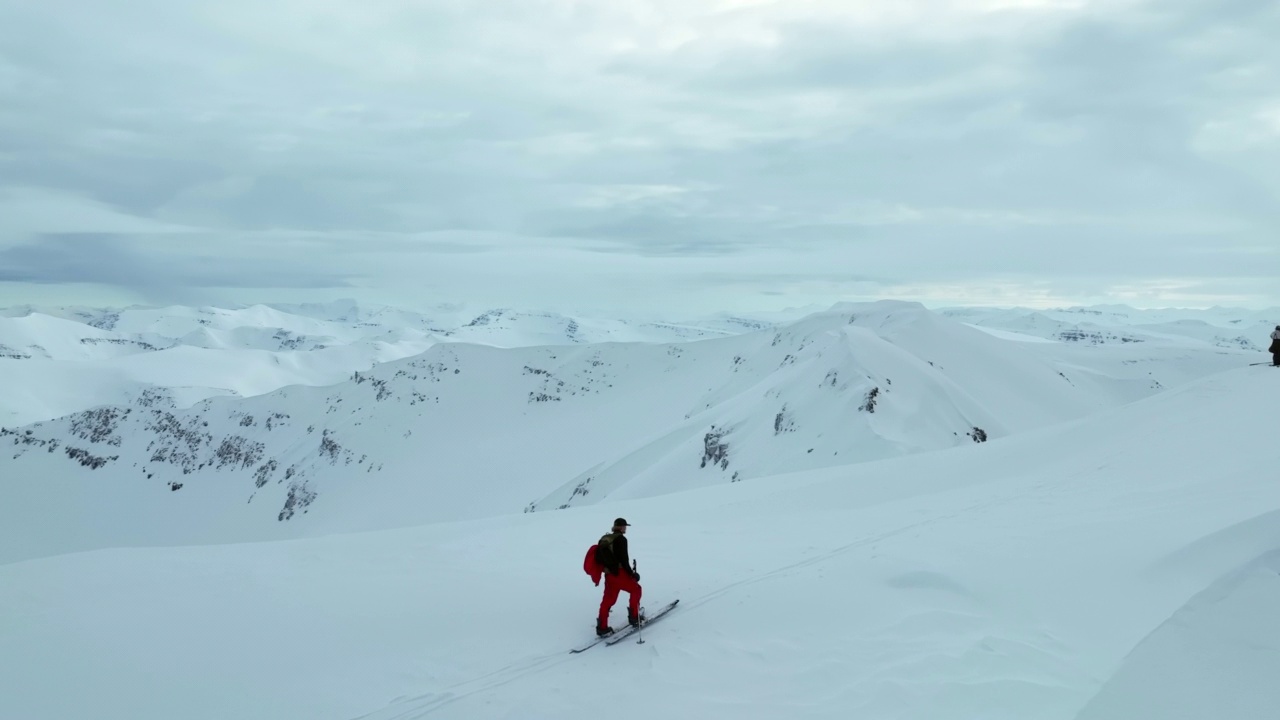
<point>1275,347</point>
<point>619,575</point>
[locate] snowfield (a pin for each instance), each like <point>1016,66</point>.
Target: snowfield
<point>1110,551</point>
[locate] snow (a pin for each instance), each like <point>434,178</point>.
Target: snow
<point>1010,335</point>
<point>1112,551</point>
<point>1217,656</point>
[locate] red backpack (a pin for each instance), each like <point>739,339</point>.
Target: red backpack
<point>591,563</point>
<point>592,566</point>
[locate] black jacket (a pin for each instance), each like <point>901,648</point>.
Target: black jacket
<point>612,554</point>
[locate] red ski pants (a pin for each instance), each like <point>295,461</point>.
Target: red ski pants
<point>615,583</point>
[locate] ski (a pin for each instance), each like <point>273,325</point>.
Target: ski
<point>597,641</point>
<point>628,631</point>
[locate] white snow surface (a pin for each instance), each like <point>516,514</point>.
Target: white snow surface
<point>1117,566</point>
<point>1109,552</point>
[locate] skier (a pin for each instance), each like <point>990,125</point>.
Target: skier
<point>619,575</point>
<point>1275,347</point>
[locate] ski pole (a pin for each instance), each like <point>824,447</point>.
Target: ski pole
<point>640,623</point>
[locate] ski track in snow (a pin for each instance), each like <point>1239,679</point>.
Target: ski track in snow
<point>409,708</point>
<point>433,702</point>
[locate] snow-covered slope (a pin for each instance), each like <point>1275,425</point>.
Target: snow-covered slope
<point>465,431</point>
<point>1076,570</point>
<point>1219,654</point>
<point>871,381</point>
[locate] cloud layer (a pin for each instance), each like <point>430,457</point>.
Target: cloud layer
<point>699,155</point>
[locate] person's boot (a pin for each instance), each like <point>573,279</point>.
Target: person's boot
<point>602,629</point>
<point>633,619</point>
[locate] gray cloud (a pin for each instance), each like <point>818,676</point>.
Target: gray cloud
<point>409,147</point>
<point>115,260</point>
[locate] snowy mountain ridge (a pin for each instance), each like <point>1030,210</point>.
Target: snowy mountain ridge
<point>1109,324</point>
<point>57,361</point>
<point>465,431</point>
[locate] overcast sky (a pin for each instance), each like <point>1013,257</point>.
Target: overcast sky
<point>673,155</point>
